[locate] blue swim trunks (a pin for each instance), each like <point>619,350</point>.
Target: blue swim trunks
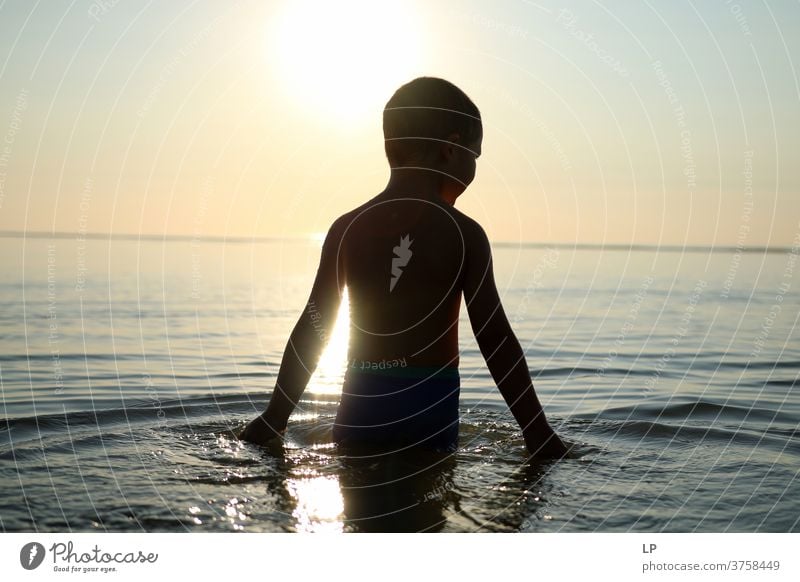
<point>399,408</point>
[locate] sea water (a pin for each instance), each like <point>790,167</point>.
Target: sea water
<point>126,367</point>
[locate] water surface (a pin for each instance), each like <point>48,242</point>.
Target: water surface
<point>127,365</point>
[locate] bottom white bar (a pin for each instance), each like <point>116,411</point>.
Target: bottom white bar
<point>378,557</point>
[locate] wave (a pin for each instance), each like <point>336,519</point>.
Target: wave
<point>698,411</point>
<point>700,421</point>
<point>750,438</point>
<point>790,383</point>
<point>164,412</point>
<point>78,356</point>
<point>759,364</point>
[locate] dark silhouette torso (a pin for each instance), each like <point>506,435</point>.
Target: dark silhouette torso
<point>403,261</point>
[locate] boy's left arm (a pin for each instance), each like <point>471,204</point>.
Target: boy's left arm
<point>305,345</point>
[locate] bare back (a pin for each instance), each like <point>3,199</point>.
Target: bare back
<point>404,262</point>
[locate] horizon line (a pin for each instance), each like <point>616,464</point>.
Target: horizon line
<point>261,239</point>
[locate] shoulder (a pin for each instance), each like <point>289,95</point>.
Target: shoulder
<point>475,237</point>
<point>347,221</point>
<point>340,226</point>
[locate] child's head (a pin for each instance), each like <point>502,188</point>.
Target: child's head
<point>424,114</point>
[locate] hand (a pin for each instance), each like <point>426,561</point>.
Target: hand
<point>261,430</point>
<point>546,444</point>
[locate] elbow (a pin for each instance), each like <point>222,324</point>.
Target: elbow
<point>493,335</point>
<point>309,337</point>
<point>492,344</point>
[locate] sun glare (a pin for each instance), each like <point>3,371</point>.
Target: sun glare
<point>343,60</point>
<point>327,379</point>
<point>319,504</point>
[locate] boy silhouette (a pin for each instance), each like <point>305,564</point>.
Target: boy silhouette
<point>407,256</point>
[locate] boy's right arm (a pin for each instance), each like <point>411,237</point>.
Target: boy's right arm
<point>502,351</point>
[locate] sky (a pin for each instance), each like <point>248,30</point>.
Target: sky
<point>671,122</point>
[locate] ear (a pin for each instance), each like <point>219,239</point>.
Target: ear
<point>449,146</point>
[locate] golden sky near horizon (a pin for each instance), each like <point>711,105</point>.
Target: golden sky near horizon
<point>669,123</point>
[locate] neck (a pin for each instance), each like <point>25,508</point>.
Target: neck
<point>417,182</point>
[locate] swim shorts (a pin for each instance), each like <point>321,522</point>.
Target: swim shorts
<point>399,408</point>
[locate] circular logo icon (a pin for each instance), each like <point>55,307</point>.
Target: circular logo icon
<point>31,555</point>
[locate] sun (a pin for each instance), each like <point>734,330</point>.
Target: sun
<point>342,60</point>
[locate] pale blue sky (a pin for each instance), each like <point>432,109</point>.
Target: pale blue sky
<point>612,122</point>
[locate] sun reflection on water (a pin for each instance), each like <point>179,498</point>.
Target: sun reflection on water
<point>320,505</point>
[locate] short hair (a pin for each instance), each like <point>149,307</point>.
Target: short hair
<point>422,113</point>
